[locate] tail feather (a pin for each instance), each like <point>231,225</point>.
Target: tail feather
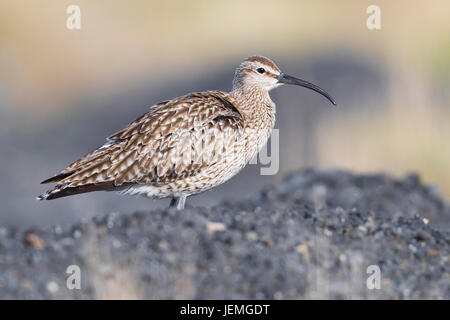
<point>58,177</point>
<point>63,191</point>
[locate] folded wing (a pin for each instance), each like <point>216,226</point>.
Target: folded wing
<point>175,140</point>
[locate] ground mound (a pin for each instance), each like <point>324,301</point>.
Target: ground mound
<point>313,236</point>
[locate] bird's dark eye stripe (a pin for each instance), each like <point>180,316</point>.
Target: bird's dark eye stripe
<point>261,70</point>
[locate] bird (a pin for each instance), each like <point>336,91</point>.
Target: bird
<point>186,145</point>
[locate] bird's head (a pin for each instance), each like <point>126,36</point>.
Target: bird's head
<point>261,73</point>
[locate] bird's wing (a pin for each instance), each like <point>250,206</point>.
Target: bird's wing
<point>176,139</point>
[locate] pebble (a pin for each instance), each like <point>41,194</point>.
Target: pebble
<point>52,287</point>
<point>213,227</point>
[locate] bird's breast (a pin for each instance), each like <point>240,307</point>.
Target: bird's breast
<point>256,132</point>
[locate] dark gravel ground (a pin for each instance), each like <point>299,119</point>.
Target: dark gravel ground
<point>312,236</point>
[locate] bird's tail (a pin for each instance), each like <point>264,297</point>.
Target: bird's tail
<point>51,194</point>
<point>63,190</point>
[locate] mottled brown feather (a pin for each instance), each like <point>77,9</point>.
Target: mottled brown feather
<point>69,191</point>
<point>161,146</point>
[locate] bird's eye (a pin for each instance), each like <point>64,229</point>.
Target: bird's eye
<point>261,70</point>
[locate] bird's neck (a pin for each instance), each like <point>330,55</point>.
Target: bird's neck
<point>255,104</point>
<point>259,117</point>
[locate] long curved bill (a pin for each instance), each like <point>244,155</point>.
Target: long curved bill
<point>287,79</point>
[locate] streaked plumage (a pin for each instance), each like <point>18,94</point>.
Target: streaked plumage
<point>183,146</point>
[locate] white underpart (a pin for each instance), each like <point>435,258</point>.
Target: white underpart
<point>142,190</point>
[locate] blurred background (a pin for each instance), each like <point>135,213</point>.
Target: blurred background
<point>63,91</point>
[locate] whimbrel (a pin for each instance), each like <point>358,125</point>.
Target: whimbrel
<point>186,145</point>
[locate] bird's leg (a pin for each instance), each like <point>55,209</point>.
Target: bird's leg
<point>181,202</point>
<point>178,202</point>
<point>173,202</point>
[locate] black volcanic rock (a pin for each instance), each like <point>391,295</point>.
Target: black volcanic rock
<point>312,236</point>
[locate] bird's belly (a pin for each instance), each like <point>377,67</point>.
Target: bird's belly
<point>206,179</point>
<point>228,164</point>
